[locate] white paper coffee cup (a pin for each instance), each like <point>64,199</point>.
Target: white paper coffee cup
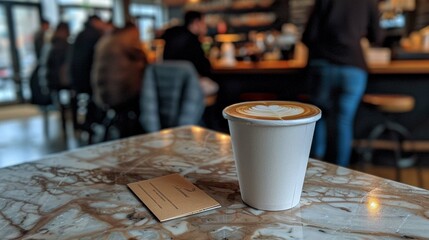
<point>271,142</point>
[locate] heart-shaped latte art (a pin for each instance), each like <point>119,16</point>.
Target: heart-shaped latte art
<point>274,111</point>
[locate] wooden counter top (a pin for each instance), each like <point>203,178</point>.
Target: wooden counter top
<point>401,67</point>
<point>278,67</point>
<point>262,67</point>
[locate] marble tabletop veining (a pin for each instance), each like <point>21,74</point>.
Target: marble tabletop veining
<point>82,194</point>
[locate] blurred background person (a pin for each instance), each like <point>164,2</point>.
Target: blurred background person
<point>84,110</point>
<point>117,74</point>
<point>53,68</point>
<point>337,70</point>
<point>53,61</point>
<point>38,84</point>
<point>82,54</point>
<point>41,37</point>
<point>183,43</point>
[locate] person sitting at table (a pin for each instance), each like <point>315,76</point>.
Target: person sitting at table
<point>119,64</point>
<point>182,43</point>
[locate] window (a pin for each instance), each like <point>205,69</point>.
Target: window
<point>87,3</point>
<point>148,18</point>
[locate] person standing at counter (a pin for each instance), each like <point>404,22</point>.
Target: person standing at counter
<point>337,70</point>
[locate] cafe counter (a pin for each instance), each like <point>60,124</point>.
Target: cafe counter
<point>284,66</point>
<point>83,194</point>
<point>286,80</point>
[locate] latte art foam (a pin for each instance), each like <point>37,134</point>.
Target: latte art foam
<point>272,110</point>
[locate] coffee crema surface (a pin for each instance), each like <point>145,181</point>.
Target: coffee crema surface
<point>272,110</point>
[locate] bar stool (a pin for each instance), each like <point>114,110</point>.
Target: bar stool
<point>389,104</point>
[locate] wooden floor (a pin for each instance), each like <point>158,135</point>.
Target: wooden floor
<point>408,175</point>
<point>25,137</point>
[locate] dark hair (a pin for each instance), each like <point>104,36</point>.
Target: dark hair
<point>44,21</point>
<point>191,16</point>
<point>62,26</point>
<point>93,17</point>
<point>90,19</point>
<point>128,25</point>
<point>62,30</point>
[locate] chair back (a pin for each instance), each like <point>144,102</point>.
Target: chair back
<point>171,96</point>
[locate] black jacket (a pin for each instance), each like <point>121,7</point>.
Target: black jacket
<point>39,40</point>
<point>335,29</point>
<point>55,64</point>
<point>81,59</point>
<point>181,44</point>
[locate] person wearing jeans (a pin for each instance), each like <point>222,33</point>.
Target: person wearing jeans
<point>337,90</point>
<point>337,70</point>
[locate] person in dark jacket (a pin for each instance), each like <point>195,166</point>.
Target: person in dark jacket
<point>53,60</point>
<point>53,67</point>
<point>40,38</point>
<point>82,54</point>
<point>182,42</point>
<point>39,91</point>
<point>81,61</point>
<point>337,70</point>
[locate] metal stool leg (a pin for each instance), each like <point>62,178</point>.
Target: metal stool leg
<point>402,134</point>
<point>399,129</point>
<point>374,134</point>
<point>397,153</point>
<point>398,134</point>
<point>419,172</point>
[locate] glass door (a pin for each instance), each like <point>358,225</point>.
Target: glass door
<point>146,25</point>
<point>149,17</point>
<point>7,86</point>
<point>18,23</point>
<point>27,21</point>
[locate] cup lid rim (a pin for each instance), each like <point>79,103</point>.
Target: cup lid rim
<point>274,122</point>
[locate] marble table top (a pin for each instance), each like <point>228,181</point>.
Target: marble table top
<point>82,194</point>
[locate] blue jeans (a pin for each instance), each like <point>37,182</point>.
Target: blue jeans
<point>337,90</point>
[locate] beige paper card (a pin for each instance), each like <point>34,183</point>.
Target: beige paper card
<point>172,196</point>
